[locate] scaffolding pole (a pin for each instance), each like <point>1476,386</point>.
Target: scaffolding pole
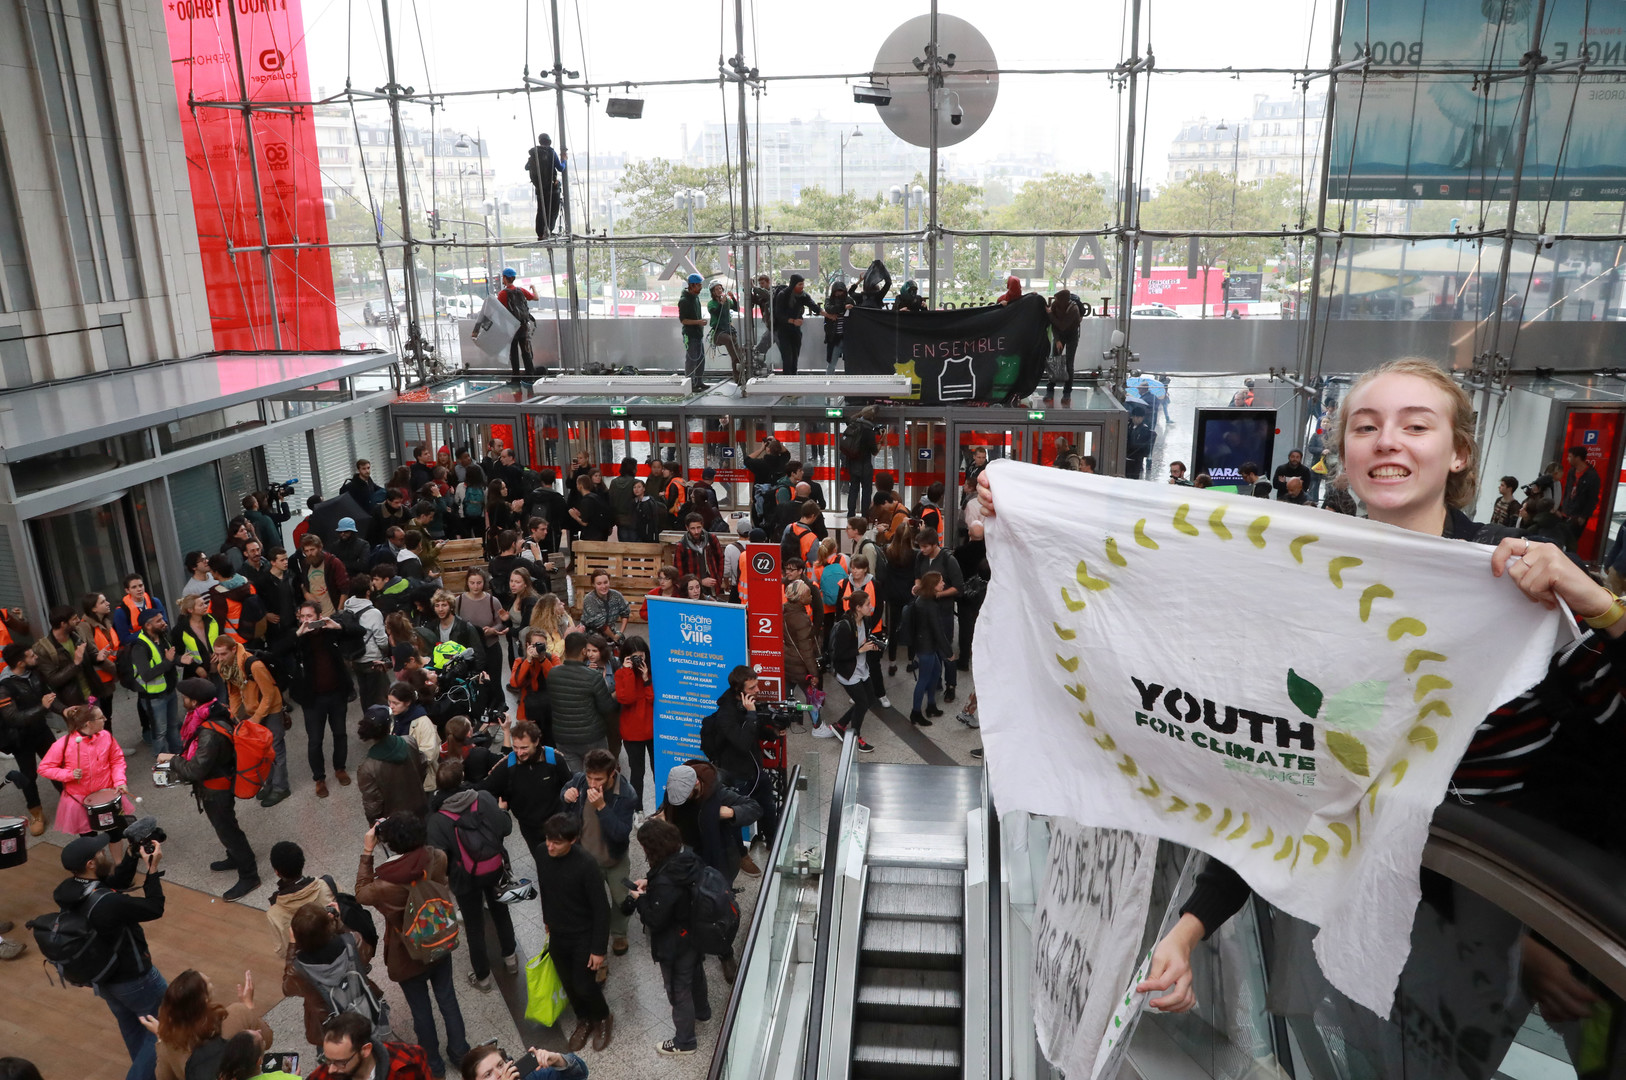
<point>409,259</point>
<point>1130,214</point>
<point>1310,365</point>
<point>254,174</point>
<point>570,232</point>
<point>745,278</point>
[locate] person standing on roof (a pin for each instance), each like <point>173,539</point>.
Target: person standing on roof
<point>692,314</point>
<point>546,168</point>
<point>788,305</point>
<point>514,297</point>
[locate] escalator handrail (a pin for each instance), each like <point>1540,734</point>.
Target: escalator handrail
<point>832,869</point>
<point>1586,879</point>
<point>758,917</point>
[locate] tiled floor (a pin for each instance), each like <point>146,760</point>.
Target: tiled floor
<point>330,830</point>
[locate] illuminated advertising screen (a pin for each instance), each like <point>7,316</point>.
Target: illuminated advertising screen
<point>1229,438</point>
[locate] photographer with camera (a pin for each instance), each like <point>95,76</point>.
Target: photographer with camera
<point>324,693</point>
<point>731,740</point>
<point>488,1062</point>
<point>96,939</point>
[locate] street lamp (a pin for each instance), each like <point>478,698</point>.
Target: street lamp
<point>916,195</point>
<point>689,200</point>
<point>845,139</point>
<point>1236,182</point>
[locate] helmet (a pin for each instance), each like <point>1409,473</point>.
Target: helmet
<point>444,654</point>
<point>696,279</point>
<point>509,273</point>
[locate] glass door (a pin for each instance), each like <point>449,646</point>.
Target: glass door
<point>1047,442</point>
<point>919,460</point>
<point>84,551</point>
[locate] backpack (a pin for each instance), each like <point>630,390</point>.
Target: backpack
<point>710,737</point>
<point>124,665</point>
<point>478,852</point>
<point>255,755</point>
<point>351,912</point>
<point>474,501</point>
<point>81,956</point>
<point>429,923</point>
<point>714,917</point>
<point>853,440</point>
<point>204,1061</point>
<point>352,994</point>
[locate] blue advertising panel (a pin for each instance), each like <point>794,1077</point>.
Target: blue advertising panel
<point>693,645</point>
<point>1454,136</point>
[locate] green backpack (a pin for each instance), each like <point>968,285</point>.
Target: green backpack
<point>429,923</point>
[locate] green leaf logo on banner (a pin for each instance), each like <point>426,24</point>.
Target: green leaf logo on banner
<point>1350,752</point>
<point>1305,694</point>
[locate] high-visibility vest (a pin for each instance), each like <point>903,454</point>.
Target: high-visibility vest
<point>162,683</point>
<point>869,590</point>
<point>5,639</point>
<point>105,639</point>
<point>193,645</point>
<point>806,541</point>
<point>135,613</point>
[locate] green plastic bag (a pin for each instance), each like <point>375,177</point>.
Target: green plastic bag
<point>547,999</point>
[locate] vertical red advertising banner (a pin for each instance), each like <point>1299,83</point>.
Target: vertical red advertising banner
<point>222,162</point>
<point>1598,433</point>
<point>764,617</point>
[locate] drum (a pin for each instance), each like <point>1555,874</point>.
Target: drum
<point>160,775</point>
<point>105,810</point>
<point>13,842</point>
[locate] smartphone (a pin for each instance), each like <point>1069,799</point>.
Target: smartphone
<point>527,1064</point>
<point>632,886</point>
<point>276,1061</point>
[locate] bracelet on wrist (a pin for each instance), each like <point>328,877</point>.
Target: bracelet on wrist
<point>1609,617</point>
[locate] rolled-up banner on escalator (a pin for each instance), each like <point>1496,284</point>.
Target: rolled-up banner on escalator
<point>1286,689</point>
<point>953,357</point>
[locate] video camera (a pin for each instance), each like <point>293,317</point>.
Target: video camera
<point>144,833</point>
<point>779,715</point>
<point>283,491</point>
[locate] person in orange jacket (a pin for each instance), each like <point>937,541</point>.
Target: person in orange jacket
<point>253,694</point>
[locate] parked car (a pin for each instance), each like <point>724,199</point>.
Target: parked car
<point>377,314</point>
<point>1155,311</point>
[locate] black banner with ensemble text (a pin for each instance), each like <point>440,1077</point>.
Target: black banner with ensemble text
<point>985,354</point>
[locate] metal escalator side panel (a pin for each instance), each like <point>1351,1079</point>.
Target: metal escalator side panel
<point>978,975</point>
<point>816,1045</point>
<point>847,947</point>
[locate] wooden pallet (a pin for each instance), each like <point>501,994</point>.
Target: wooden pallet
<point>462,554</point>
<point>632,567</point>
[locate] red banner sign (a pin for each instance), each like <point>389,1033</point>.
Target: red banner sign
<point>764,616</point>
<point>222,172</point>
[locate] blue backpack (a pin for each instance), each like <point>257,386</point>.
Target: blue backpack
<point>474,501</point>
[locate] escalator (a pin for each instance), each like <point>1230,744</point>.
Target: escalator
<point>909,1007</point>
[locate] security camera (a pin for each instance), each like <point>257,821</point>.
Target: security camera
<point>956,117</point>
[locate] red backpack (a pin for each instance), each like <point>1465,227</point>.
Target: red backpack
<point>255,755</point>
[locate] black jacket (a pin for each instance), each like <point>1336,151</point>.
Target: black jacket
<point>463,633</point>
<point>922,632</point>
<point>664,907</point>
<point>22,716</point>
<point>442,831</point>
<point>574,901</point>
<point>216,756</point>
<point>737,749</point>
<point>583,707</point>
<point>119,914</point>
<point>844,649</point>
<point>531,788</point>
<point>352,553</point>
<point>1581,498</point>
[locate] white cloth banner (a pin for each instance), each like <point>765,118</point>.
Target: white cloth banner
<point>1091,915</point>
<point>495,328</point>
<point>1282,687</point>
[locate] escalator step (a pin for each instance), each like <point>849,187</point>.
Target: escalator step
<point>911,943</point>
<point>916,875</point>
<point>906,1051</point>
<point>910,995</point>
<point>901,901</point>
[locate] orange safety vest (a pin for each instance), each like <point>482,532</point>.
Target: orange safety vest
<point>105,639</point>
<point>5,639</point>
<point>806,541</point>
<point>869,590</point>
<point>675,498</point>
<point>135,612</point>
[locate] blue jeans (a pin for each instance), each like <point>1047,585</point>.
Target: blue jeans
<point>438,978</point>
<point>163,718</point>
<point>129,1001</point>
<point>694,357</point>
<point>929,669</point>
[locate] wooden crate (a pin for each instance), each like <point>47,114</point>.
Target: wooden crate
<point>462,554</point>
<point>454,580</point>
<point>632,568</point>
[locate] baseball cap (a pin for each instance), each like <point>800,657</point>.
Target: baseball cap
<point>509,273</point>
<point>346,525</point>
<point>679,786</point>
<point>696,279</point>
<point>82,849</point>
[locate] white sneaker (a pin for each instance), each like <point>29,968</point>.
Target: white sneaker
<point>637,818</point>
<point>886,702</point>
<point>823,731</point>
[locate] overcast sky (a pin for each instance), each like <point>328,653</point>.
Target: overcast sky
<point>471,46</point>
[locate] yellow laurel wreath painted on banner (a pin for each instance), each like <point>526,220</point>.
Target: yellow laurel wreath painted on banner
<point>1345,748</point>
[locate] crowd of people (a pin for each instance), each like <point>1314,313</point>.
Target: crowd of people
<point>458,715</point>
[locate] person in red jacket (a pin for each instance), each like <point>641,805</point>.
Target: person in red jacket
<point>635,691</point>
<point>349,1050</point>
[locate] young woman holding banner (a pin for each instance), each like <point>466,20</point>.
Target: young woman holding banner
<point>1405,439</point>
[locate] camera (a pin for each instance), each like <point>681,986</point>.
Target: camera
<point>144,833</point>
<point>879,639</point>
<point>282,491</point>
<point>956,117</point>
<point>778,714</point>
